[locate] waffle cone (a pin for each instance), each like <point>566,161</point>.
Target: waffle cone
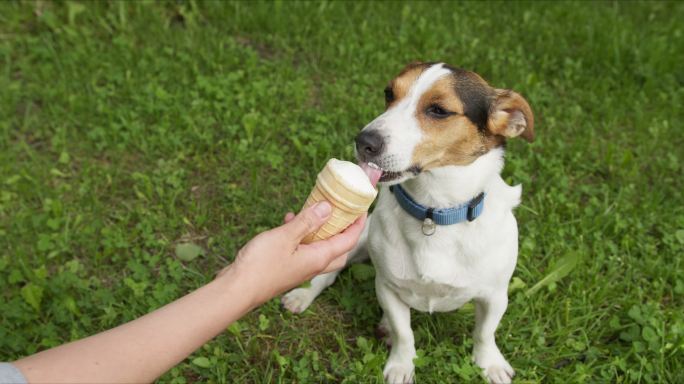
<point>347,204</point>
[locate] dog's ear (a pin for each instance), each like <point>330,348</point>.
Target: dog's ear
<point>510,115</point>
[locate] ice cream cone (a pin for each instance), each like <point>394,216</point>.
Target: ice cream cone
<point>348,191</point>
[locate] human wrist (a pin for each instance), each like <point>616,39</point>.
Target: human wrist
<point>240,282</point>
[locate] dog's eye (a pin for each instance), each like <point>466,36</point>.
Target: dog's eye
<point>437,112</point>
<point>389,95</point>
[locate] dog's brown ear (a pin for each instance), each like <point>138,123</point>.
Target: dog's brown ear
<point>510,115</point>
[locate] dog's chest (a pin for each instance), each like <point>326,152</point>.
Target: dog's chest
<point>435,273</point>
<point>428,280</point>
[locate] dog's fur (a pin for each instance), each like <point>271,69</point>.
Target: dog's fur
<point>442,136</point>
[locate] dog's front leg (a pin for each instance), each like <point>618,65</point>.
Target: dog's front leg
<point>488,313</point>
<point>399,367</point>
<point>299,299</point>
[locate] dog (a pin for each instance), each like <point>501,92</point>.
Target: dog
<point>443,230</point>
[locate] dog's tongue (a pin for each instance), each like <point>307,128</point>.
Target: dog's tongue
<point>373,174</point>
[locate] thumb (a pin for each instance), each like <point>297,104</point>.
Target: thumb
<point>308,220</point>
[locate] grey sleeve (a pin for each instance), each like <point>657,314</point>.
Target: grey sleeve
<point>9,374</point>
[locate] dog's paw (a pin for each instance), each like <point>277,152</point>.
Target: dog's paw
<point>495,367</point>
<point>500,374</point>
<point>398,373</point>
<point>297,300</point>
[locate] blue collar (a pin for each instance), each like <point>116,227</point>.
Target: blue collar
<point>443,216</point>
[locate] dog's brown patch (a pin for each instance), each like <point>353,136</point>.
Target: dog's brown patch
<point>441,93</point>
<point>400,85</point>
<point>482,119</point>
<point>456,139</point>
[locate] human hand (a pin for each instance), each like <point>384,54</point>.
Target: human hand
<point>275,261</point>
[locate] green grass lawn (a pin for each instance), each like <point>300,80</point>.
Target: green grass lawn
<point>127,128</point>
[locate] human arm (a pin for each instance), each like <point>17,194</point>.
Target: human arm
<point>145,348</point>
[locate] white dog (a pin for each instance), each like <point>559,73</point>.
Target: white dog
<point>443,231</point>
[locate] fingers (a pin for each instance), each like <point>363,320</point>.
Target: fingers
<point>307,221</point>
<point>337,245</point>
<point>288,217</point>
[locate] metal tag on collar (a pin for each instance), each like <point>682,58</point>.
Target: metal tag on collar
<point>429,226</point>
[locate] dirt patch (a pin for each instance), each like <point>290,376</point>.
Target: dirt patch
<point>264,51</point>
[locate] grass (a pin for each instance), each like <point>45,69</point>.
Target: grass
<point>127,128</point>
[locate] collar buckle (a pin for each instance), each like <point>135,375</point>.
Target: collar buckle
<point>472,205</point>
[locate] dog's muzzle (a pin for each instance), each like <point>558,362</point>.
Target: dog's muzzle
<point>369,145</point>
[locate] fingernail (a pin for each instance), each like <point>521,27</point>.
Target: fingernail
<point>323,209</point>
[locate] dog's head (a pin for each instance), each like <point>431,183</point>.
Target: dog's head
<point>438,115</point>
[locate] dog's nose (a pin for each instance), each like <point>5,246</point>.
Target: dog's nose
<point>369,143</point>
